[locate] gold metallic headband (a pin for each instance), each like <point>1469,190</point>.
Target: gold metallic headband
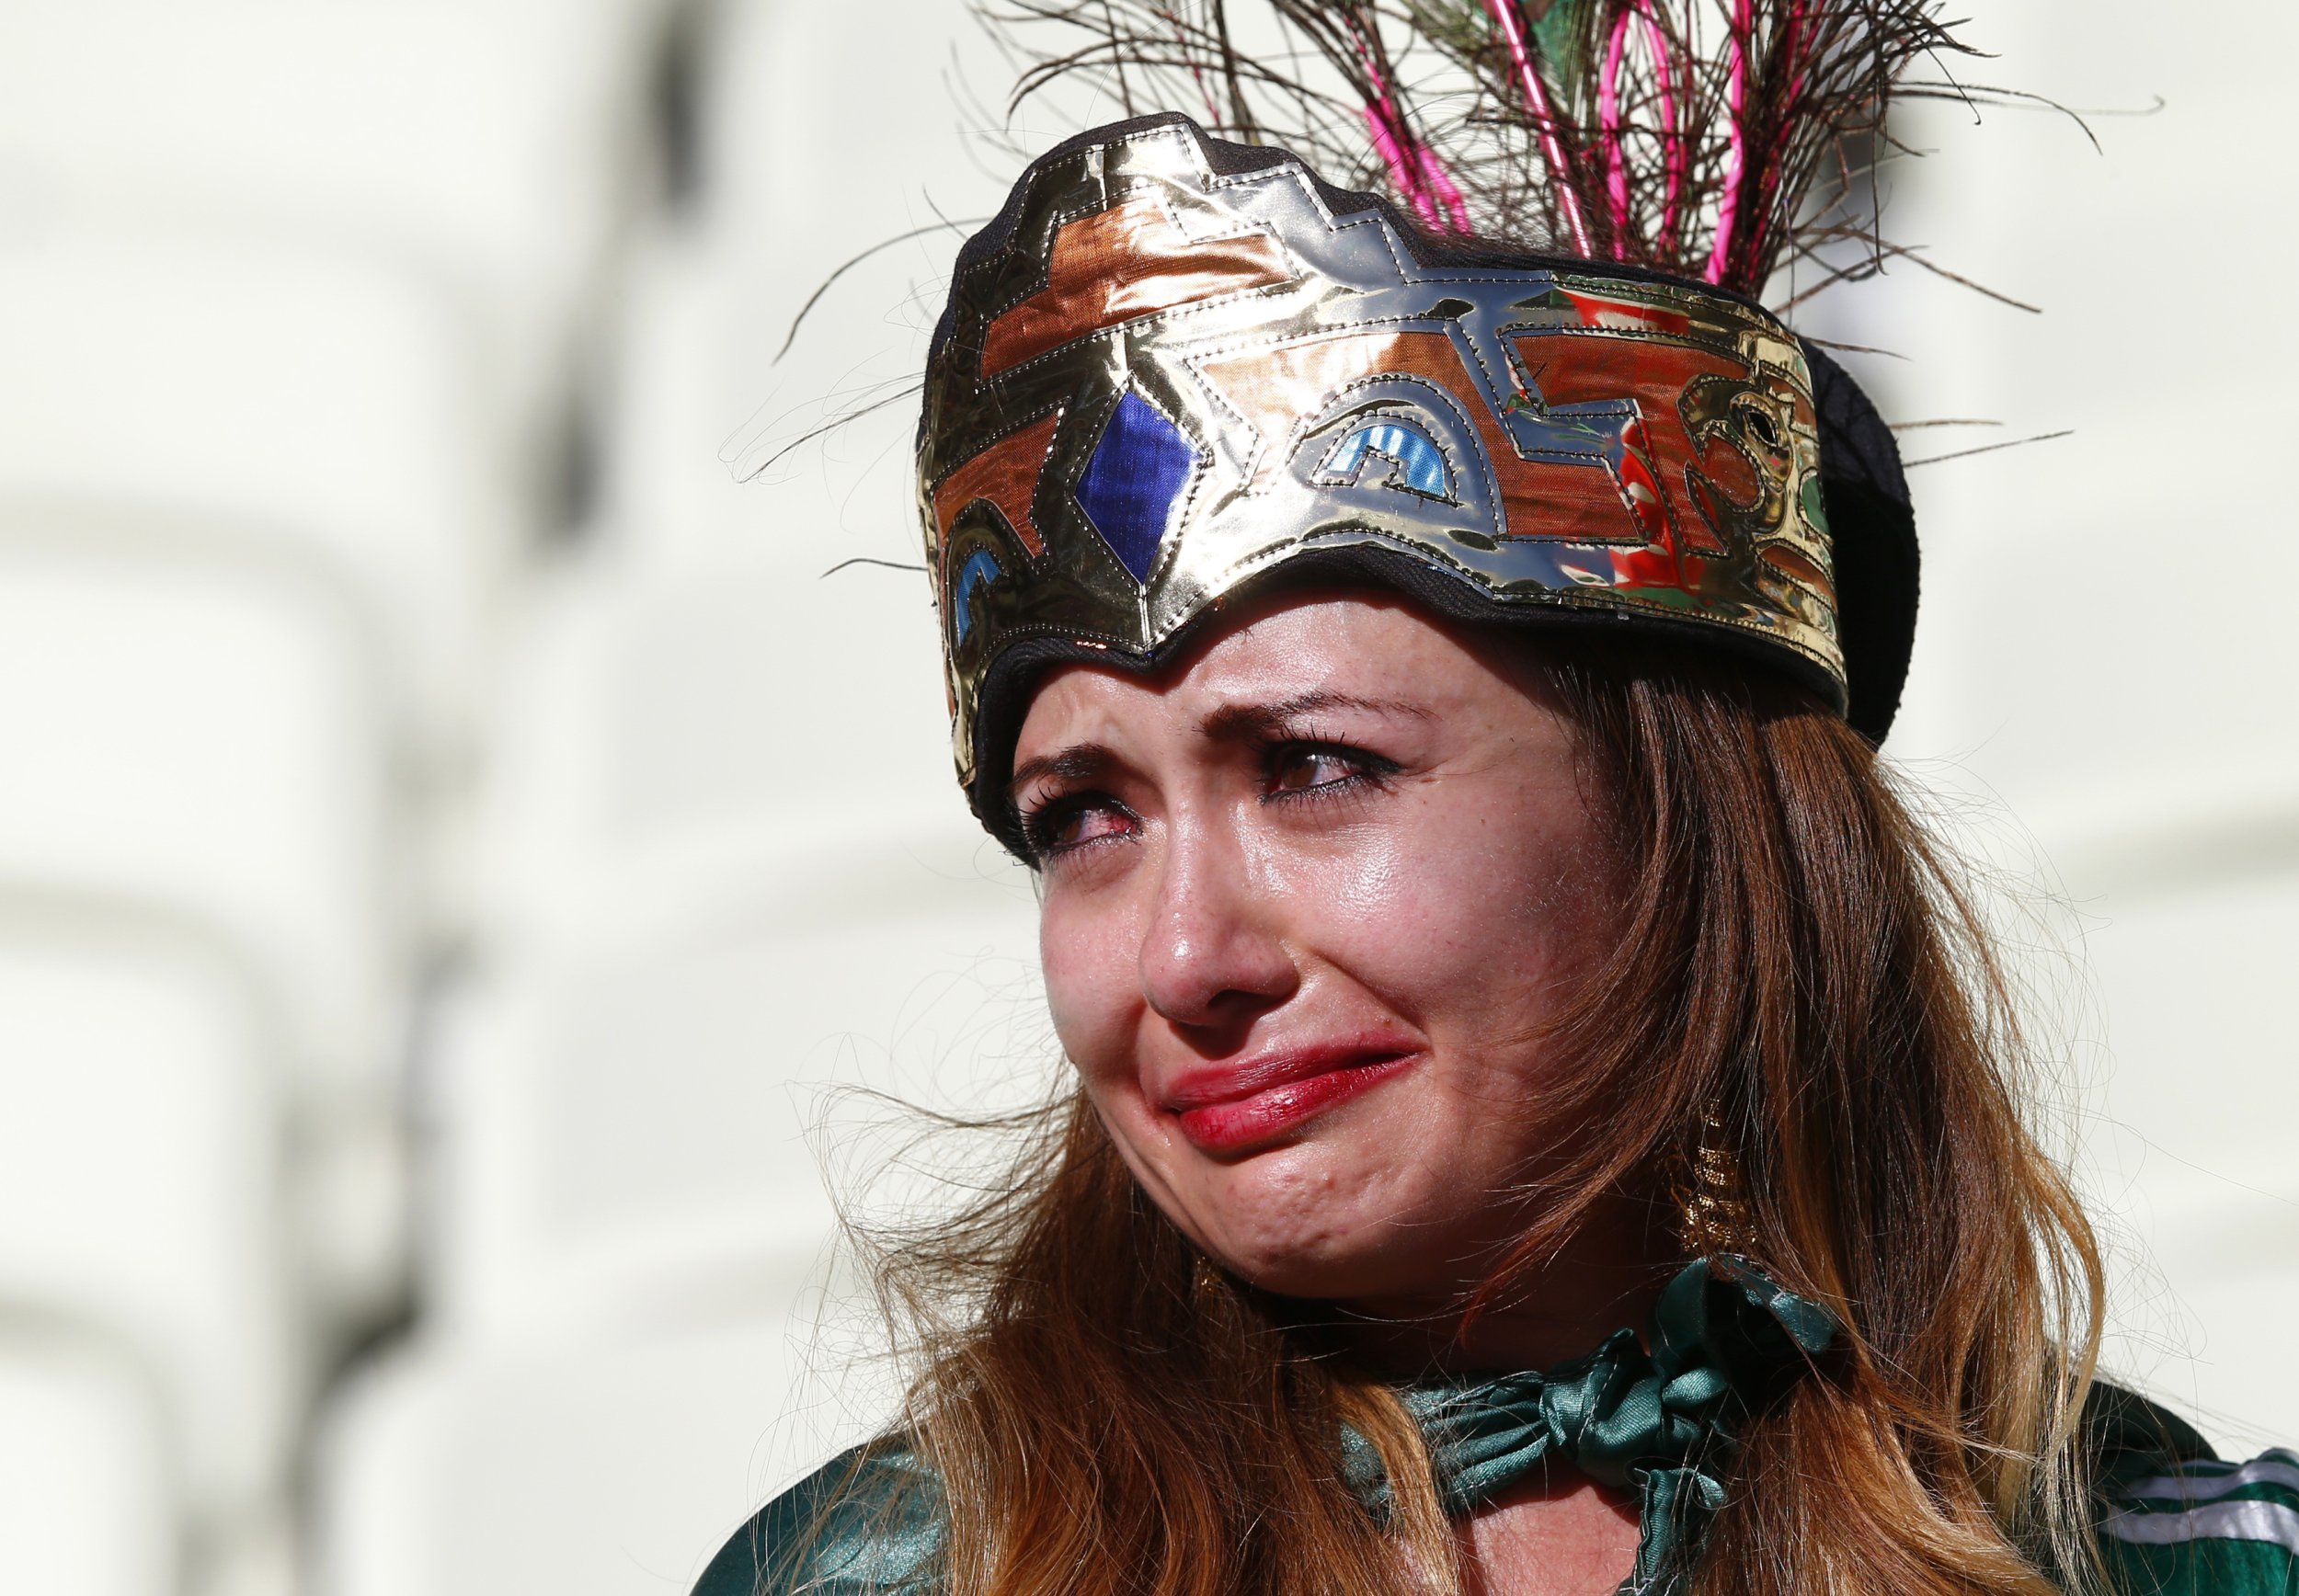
<point>1172,366</point>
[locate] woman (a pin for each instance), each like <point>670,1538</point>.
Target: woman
<point>1545,1120</point>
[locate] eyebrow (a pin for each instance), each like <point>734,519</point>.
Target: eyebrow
<point>1079,762</point>
<point>1232,723</point>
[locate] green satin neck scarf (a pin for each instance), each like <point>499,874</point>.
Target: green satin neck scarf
<point>1725,1342</point>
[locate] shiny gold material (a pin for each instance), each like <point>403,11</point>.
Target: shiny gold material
<point>1712,1199</point>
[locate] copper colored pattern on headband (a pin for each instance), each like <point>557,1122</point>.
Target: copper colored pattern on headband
<point>1006,474</point>
<point>1130,261</point>
<point>1656,376</point>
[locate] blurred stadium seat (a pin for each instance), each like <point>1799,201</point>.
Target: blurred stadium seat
<point>632,1122</point>
<point>647,716</point>
<point>490,146</point>
<point>88,1505</point>
<point>197,746</point>
<point>205,742</point>
<point>263,404</point>
<point>141,1182</point>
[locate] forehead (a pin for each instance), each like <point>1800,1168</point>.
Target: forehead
<point>1318,647</point>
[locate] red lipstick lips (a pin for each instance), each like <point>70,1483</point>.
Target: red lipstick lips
<point>1229,1108</point>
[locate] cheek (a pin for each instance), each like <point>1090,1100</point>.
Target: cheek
<point>1092,983</point>
<point>1091,955</point>
<point>1467,917</point>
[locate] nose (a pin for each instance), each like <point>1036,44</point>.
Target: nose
<point>1214,957</point>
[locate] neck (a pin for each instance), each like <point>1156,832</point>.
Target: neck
<point>1603,1278</point>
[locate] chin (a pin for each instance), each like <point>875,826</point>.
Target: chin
<point>1288,1227</point>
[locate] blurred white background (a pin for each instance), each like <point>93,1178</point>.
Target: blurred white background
<point>456,848</point>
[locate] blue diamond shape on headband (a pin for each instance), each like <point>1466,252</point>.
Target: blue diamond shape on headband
<point>1138,470</point>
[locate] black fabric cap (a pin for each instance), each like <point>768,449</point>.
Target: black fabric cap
<point>1871,535</point>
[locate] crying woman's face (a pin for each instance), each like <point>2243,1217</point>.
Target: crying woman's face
<point>1312,896</point>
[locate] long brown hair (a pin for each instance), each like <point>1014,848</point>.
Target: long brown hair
<point>1802,986</point>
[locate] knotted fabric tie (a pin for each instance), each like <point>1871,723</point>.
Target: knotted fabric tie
<point>1727,1343</point>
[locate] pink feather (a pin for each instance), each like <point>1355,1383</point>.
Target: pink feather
<point>1421,177</point>
<point>1537,101</point>
<point>1736,146</point>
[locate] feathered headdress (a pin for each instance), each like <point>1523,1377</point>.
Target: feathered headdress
<point>1533,383</point>
<point>1714,139</point>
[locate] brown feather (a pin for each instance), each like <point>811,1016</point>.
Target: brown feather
<point>1717,138</point>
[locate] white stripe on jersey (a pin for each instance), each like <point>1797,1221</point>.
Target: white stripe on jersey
<point>2248,1520</point>
<point>2276,1467</point>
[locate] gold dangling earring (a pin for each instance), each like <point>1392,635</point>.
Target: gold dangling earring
<point>1712,1199</point>
<point>1205,1282</point>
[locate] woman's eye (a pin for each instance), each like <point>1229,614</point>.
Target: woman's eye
<point>1072,822</point>
<point>1307,769</point>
